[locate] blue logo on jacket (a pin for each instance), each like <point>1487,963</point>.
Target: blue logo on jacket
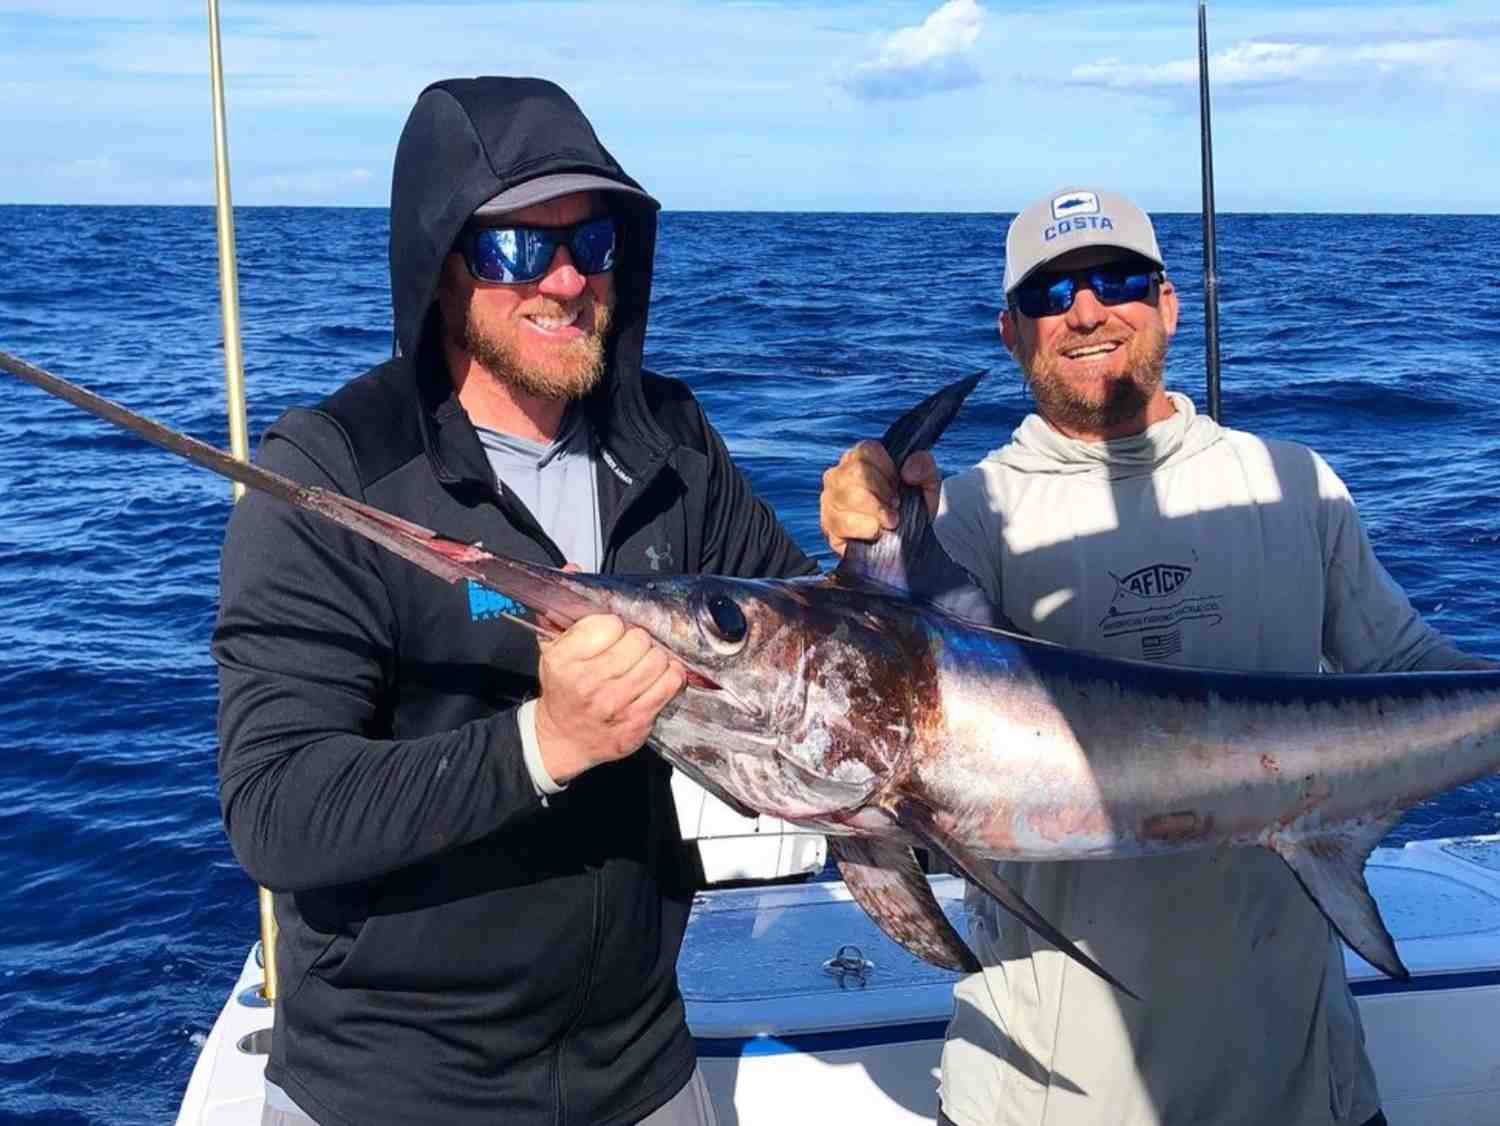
<point>485,603</point>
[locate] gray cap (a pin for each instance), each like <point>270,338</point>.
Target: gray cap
<point>557,184</point>
<point>1072,219</point>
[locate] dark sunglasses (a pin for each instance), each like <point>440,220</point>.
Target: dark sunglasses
<point>1113,283</point>
<point>513,255</point>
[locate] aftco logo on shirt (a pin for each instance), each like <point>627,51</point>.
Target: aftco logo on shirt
<point>1152,581</point>
<point>1150,610</point>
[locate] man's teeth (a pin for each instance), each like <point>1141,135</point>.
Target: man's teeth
<point>1091,350</point>
<point>552,324</point>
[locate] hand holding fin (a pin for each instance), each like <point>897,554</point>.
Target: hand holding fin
<point>910,558</point>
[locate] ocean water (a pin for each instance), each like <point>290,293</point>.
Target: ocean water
<point>123,916</point>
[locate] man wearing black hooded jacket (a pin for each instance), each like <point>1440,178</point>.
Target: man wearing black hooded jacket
<point>478,883</point>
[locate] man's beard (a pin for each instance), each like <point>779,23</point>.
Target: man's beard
<point>1077,409</point>
<point>573,370</point>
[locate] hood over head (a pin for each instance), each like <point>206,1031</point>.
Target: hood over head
<point>468,141</point>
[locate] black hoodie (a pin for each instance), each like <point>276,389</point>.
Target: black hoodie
<point>452,949</point>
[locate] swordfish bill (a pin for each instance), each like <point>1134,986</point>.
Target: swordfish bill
<point>889,705</point>
<point>450,560</point>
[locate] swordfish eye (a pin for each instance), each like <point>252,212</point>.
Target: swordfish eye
<point>724,620</point>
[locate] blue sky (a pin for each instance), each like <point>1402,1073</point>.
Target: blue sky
<point>968,105</point>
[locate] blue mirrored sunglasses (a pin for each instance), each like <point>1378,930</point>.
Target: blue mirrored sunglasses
<point>514,255</point>
<point>1113,283</point>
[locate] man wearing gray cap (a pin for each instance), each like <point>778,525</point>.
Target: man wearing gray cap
<point>479,884</point>
<point>1119,520</point>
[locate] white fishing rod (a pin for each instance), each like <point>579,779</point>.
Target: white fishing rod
<point>234,374</point>
<point>1210,249</point>
<point>229,285</point>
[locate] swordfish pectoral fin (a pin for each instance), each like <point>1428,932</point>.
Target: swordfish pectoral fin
<point>887,881</point>
<point>917,819</point>
<point>1331,869</point>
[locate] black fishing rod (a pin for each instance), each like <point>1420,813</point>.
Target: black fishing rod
<point>1210,248</point>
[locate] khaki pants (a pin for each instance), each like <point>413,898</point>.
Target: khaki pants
<point>1378,1120</point>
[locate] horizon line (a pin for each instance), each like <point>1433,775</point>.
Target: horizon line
<point>767,210</point>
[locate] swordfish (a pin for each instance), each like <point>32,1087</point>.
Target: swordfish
<point>887,705</point>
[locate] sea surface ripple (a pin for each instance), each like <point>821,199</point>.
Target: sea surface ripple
<point>126,917</point>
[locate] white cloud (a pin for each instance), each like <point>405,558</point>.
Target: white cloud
<point>1467,64</point>
<point>924,59</point>
<point>1241,65</point>
<point>764,103</point>
<point>110,180</point>
<point>1426,53</point>
<point>297,186</point>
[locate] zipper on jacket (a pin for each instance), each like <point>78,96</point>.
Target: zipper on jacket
<point>523,521</point>
<point>559,1114</point>
<point>583,1000</point>
<point>633,492</point>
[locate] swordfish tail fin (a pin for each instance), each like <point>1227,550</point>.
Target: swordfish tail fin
<point>1331,869</point>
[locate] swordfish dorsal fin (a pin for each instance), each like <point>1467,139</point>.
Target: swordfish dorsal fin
<point>910,559</point>
<point>1331,868</point>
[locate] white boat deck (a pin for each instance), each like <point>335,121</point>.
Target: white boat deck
<point>783,1041</point>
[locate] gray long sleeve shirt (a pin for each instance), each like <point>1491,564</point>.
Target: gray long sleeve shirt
<point>1194,545</point>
